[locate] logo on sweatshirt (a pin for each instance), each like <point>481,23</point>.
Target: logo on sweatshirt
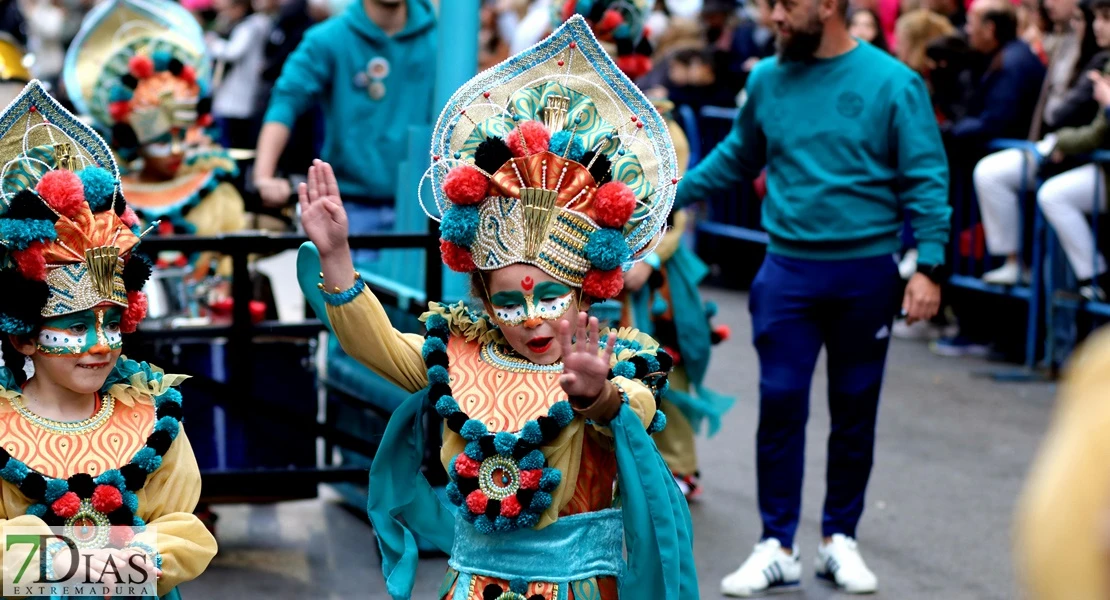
<point>849,104</point>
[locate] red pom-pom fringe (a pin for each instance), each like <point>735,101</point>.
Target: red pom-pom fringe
<point>610,21</point>
<point>63,191</point>
<point>31,262</point>
<point>129,217</point>
<point>465,185</point>
<point>120,111</point>
<point>476,502</point>
<point>466,466</point>
<point>456,257</point>
<point>120,535</point>
<point>614,203</point>
<point>189,74</point>
<point>141,66</point>
<point>634,66</point>
<point>135,312</point>
<point>106,498</point>
<point>603,284</point>
<point>510,507</point>
<point>536,139</point>
<point>530,479</point>
<point>66,506</point>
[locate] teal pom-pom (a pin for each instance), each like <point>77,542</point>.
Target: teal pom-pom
<point>446,406</point>
<point>562,413</point>
<point>453,494</point>
<point>140,526</point>
<point>504,443</point>
<point>119,93</point>
<point>483,525</point>
<point>431,344</point>
<point>14,472</point>
<point>147,459</point>
<point>100,187</point>
<point>550,479</point>
<point>55,488</point>
<point>473,430</point>
<point>652,362</point>
<point>531,433</point>
<point>460,225</point>
<point>111,477</point>
<point>658,422</point>
<point>622,32</point>
<point>21,233</point>
<point>540,502</point>
<point>168,424</point>
<point>518,586</point>
<point>710,309</point>
<point>451,467</point>
<point>37,510</point>
<point>532,460</point>
<point>15,326</point>
<point>527,520</point>
<point>170,395</point>
<point>130,500</point>
<point>138,231</point>
<point>438,374</point>
<point>624,369</point>
<point>560,142</point>
<point>502,523</point>
<point>466,515</point>
<point>474,450</point>
<point>584,6</point>
<point>436,322</point>
<point>607,249</point>
<point>162,60</point>
<point>658,305</point>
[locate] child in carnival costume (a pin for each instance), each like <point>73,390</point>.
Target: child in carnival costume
<point>662,297</point>
<point>91,438</point>
<point>139,70</point>
<point>550,171</point>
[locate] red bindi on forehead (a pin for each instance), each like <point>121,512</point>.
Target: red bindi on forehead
<point>527,284</point>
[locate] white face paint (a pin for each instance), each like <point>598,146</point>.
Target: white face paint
<point>57,341</point>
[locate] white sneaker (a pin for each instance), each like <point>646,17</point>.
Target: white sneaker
<point>908,265</point>
<point>1007,274</point>
<point>767,570</point>
<point>840,563</point>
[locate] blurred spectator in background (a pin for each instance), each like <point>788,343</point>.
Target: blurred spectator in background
<point>863,23</point>
<point>1033,24</point>
<point>492,47</point>
<point>737,41</point>
<point>953,10</point>
<point>238,46</point>
<point>916,30</point>
<point>45,31</point>
<point>532,27</point>
<point>691,81</point>
<point>12,21</point>
<point>948,64</point>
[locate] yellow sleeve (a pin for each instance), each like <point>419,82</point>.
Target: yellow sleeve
<point>166,503</point>
<point>221,211</point>
<point>673,237</point>
<point>365,333</point>
<point>12,505</point>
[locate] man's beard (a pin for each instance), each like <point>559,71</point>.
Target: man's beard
<point>802,44</point>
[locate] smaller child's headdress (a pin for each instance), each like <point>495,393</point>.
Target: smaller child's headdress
<point>620,25</point>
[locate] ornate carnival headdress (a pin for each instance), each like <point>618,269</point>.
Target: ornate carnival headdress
<point>553,158</point>
<point>139,68</point>
<point>66,233</point>
<point>619,24</point>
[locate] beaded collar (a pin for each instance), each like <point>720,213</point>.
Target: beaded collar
<point>109,498</point>
<point>503,358</point>
<point>107,404</point>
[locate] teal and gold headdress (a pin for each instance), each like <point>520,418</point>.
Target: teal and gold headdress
<point>66,232</point>
<point>553,158</point>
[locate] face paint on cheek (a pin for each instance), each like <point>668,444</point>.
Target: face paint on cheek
<point>79,334</point>
<point>62,342</point>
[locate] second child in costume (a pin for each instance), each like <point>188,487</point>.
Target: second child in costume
<point>551,171</point>
<point>91,438</point>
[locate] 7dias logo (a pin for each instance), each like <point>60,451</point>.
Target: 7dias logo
<point>79,560</point>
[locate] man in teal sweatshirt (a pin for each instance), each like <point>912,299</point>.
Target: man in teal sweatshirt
<point>372,69</point>
<point>851,146</point>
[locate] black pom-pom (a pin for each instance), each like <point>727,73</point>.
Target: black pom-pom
<point>436,357</point>
<point>493,509</point>
<point>456,421</point>
<point>204,106</point>
<point>29,205</point>
<point>123,136</point>
<point>133,476</point>
<point>438,390</point>
<point>4,458</point>
<point>159,441</point>
<point>121,516</point>
<point>485,443</point>
<point>596,12</point>
<point>644,47</point>
<point>129,81</point>
<point>119,206</point>
<point>655,280</point>
<point>169,409</point>
<point>624,46</point>
<point>53,520</point>
<point>440,334</point>
<point>492,592</point>
<point>666,362</point>
<point>536,597</point>
<point>23,299</point>
<point>600,168</point>
<point>492,154</point>
<point>715,337</point>
<point>524,497</point>
<point>466,485</point>
<point>548,428</point>
<point>33,486</point>
<point>136,272</point>
<point>641,366</point>
<point>82,484</point>
<point>521,449</point>
<point>175,67</point>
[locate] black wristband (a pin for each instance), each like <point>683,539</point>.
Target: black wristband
<point>938,274</point>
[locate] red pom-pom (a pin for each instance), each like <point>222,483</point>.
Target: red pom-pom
<point>510,507</point>
<point>119,111</point>
<point>634,66</point>
<point>129,217</point>
<point>189,74</point>
<point>63,191</point>
<point>568,9</point>
<point>614,203</point>
<point>610,21</point>
<point>141,66</point>
<point>465,185</point>
<point>204,121</point>
<point>466,466</point>
<point>66,506</point>
<point>106,498</point>
<point>456,257</point>
<point>723,332</point>
<point>120,535</point>
<point>536,138</point>
<point>135,312</point>
<point>603,284</point>
<point>530,479</point>
<point>477,502</point>
<point>31,262</point>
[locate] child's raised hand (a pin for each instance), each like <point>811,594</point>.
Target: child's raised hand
<point>322,212</point>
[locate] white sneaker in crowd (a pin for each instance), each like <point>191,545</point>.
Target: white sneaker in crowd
<point>839,562</point>
<point>767,570</point>
<point>1007,274</point>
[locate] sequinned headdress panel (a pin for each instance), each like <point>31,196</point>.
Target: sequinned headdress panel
<point>65,229</point>
<point>553,158</point>
<point>139,68</point>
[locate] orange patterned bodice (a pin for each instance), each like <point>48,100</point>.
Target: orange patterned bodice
<point>59,450</point>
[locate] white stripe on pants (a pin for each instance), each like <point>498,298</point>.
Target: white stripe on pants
<point>1065,200</point>
<point>997,183</point>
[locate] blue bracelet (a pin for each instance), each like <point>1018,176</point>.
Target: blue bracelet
<point>347,295</point>
<point>153,554</point>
